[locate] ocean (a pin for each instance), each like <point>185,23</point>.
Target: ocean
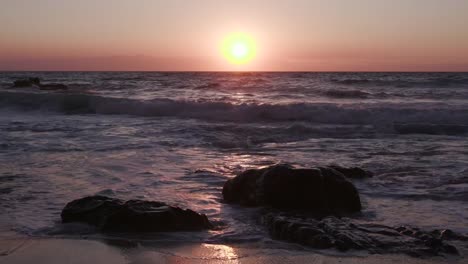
<point>177,137</point>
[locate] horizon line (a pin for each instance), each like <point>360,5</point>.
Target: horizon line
<point>223,71</point>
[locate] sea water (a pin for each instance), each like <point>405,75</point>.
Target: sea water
<point>177,137</point>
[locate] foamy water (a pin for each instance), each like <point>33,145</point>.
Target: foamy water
<point>177,137</point>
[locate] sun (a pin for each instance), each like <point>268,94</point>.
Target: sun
<point>238,48</point>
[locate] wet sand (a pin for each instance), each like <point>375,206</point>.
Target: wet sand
<point>50,250</point>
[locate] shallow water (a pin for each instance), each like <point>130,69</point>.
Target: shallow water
<point>177,137</point>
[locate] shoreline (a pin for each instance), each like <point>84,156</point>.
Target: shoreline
<point>18,250</point>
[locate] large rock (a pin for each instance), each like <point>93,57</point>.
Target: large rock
<point>109,214</point>
<point>352,172</point>
<point>346,234</point>
<point>320,190</point>
<point>32,81</point>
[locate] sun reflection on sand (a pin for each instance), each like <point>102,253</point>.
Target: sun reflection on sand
<point>200,253</point>
<point>221,252</point>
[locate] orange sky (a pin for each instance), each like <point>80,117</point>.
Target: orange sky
<point>185,35</point>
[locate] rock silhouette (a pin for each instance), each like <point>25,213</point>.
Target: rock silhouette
<point>32,81</point>
<point>114,215</point>
<point>321,190</point>
<point>346,234</point>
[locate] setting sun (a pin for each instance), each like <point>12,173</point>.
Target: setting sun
<point>238,48</point>
<point>231,131</point>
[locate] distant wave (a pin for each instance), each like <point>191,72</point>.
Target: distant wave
<point>431,129</point>
<point>455,81</point>
<point>337,93</point>
<point>384,115</point>
<point>208,85</point>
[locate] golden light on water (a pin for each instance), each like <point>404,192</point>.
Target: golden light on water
<point>239,48</point>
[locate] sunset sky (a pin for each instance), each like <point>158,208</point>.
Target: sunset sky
<point>187,35</point>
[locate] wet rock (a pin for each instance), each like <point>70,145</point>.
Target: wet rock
<point>447,234</point>
<point>352,172</point>
<point>242,188</point>
<point>53,86</point>
<point>109,214</point>
<point>320,242</point>
<point>92,210</point>
<point>32,81</point>
<point>323,190</point>
<point>346,234</point>
<point>450,249</point>
<point>433,242</point>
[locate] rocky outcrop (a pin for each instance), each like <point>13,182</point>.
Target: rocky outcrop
<point>114,215</point>
<point>29,82</point>
<point>306,206</point>
<point>344,234</point>
<point>34,81</point>
<point>320,190</point>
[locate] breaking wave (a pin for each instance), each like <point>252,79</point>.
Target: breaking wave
<point>336,93</point>
<point>439,118</point>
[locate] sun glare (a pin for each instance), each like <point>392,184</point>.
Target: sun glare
<point>238,48</point>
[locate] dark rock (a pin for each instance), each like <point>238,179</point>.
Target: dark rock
<point>92,210</point>
<point>407,232</point>
<point>320,242</point>
<point>343,234</point>
<point>110,214</point>
<point>447,234</point>
<point>242,188</point>
<point>33,81</point>
<point>400,228</point>
<point>451,249</point>
<point>425,237</point>
<point>433,242</point>
<point>323,190</point>
<point>353,172</point>
<point>418,233</point>
<point>53,86</point>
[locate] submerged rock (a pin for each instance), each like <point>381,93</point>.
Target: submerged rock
<point>32,81</point>
<point>320,190</point>
<point>109,214</point>
<point>344,234</point>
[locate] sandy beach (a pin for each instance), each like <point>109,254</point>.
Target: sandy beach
<point>28,250</point>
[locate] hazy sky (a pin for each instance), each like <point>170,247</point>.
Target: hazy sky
<point>291,35</point>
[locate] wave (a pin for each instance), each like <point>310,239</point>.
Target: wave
<point>450,81</point>
<point>381,115</point>
<point>336,93</point>
<point>208,85</point>
<point>431,129</point>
